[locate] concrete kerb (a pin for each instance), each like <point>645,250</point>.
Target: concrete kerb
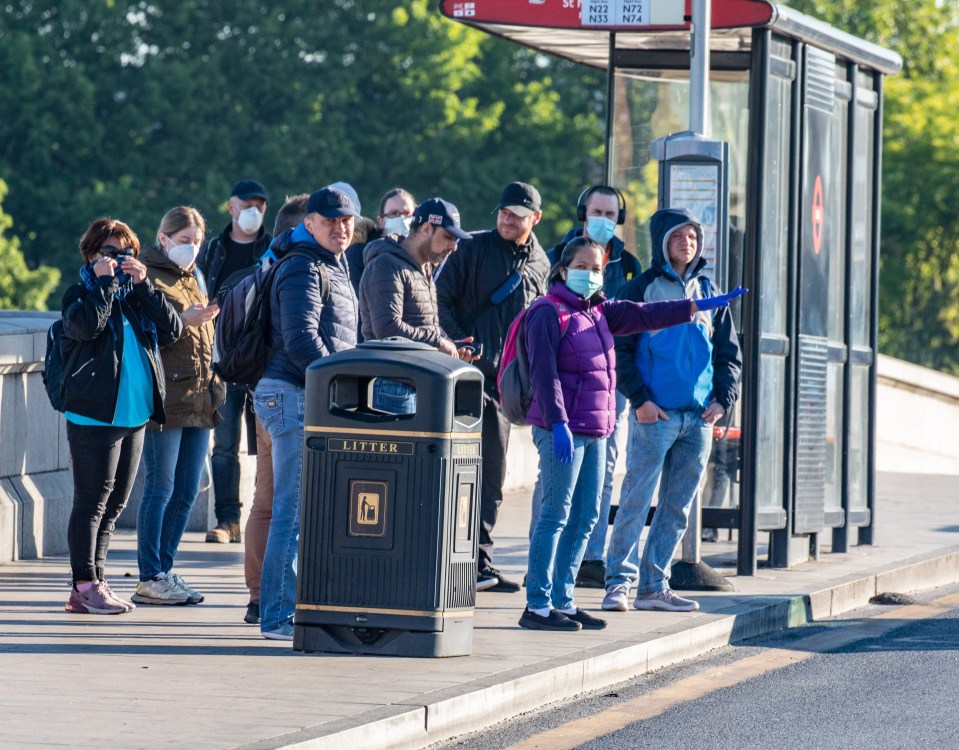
<point>443,715</point>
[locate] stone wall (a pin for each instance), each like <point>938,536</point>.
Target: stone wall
<point>918,427</point>
<point>918,414</point>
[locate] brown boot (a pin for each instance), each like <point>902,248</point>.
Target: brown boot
<point>224,533</point>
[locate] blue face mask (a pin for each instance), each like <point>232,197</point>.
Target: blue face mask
<point>582,282</point>
<point>600,229</point>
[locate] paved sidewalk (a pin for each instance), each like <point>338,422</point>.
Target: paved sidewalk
<point>198,677</point>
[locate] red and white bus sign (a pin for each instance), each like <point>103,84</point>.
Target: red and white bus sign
<point>620,15</point>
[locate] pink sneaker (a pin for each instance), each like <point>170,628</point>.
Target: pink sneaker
<point>93,602</point>
<point>111,594</point>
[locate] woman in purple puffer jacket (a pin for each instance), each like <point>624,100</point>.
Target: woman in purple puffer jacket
<point>569,339</point>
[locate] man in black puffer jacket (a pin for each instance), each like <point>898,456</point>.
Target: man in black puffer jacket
<point>304,327</point>
<point>481,288</point>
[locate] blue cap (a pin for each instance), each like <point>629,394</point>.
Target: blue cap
<point>247,189</point>
<point>330,202</point>
<point>440,213</point>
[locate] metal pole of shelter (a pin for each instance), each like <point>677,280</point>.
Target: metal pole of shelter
<point>699,67</point>
<point>691,572</point>
<point>698,123</point>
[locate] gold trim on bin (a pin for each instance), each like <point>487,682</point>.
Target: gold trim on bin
<point>405,612</point>
<point>395,433</point>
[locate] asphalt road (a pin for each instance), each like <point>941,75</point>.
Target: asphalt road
<point>880,677</point>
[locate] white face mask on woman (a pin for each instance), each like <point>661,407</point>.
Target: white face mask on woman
<point>250,220</point>
<point>183,255</point>
<point>398,225</point>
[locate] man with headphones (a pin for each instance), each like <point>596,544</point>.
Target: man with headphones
<point>600,209</point>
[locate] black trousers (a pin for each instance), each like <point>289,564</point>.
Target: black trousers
<point>225,459</point>
<point>495,441</point>
<point>105,461</point>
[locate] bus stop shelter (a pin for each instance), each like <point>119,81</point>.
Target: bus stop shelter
<point>800,105</point>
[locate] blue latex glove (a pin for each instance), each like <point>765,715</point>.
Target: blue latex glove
<point>562,443</point>
<point>720,300</point>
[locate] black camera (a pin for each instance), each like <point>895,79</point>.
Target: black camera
<point>119,256</point>
<point>475,349</point>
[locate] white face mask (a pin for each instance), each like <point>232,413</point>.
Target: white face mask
<point>250,220</point>
<point>398,225</point>
<point>183,255</point>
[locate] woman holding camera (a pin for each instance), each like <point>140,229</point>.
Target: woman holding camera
<point>174,452</point>
<point>114,322</point>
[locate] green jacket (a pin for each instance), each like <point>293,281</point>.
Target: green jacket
<point>193,392</point>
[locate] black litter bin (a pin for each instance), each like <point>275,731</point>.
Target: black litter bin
<point>389,505</point>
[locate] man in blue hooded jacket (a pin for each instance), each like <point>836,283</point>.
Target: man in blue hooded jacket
<point>679,382</point>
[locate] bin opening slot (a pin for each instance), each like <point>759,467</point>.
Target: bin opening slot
<point>372,399</point>
<point>468,402</point>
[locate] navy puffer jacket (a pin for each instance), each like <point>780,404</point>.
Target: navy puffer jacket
<point>303,327</point>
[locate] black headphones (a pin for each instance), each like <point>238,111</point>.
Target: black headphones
<point>584,198</point>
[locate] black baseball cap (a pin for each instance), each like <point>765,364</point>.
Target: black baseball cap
<point>330,202</point>
<point>440,213</point>
<point>520,198</point>
<point>247,189</point>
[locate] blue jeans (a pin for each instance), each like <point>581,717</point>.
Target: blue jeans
<point>279,407</point>
<point>570,509</point>
<point>673,452</point>
<point>596,546</point>
<point>225,459</point>
<point>394,396</point>
<point>173,464</point>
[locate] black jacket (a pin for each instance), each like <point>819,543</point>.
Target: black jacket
<point>470,275</point>
<point>213,253</point>
<point>92,344</point>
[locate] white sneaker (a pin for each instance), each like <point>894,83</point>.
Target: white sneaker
<point>666,600</point>
<point>615,599</point>
<point>195,597</point>
<point>282,633</point>
<point>160,590</point>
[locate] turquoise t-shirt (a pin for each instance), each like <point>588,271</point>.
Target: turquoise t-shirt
<point>135,399</point>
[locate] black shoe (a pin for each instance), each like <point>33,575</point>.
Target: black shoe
<point>585,619</point>
<point>502,585</point>
<point>556,621</point>
<point>591,575</point>
<point>486,579</point>
<point>252,615</point>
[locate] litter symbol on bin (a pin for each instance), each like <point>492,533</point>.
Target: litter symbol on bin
<point>464,504</point>
<point>368,508</point>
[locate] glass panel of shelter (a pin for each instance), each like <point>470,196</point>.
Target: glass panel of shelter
<point>650,104</point>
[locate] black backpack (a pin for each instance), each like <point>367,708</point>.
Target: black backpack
<point>241,339</point>
<point>53,366</point>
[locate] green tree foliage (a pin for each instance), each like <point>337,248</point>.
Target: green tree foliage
<point>919,301</point>
<point>129,108</point>
<point>21,288</point>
